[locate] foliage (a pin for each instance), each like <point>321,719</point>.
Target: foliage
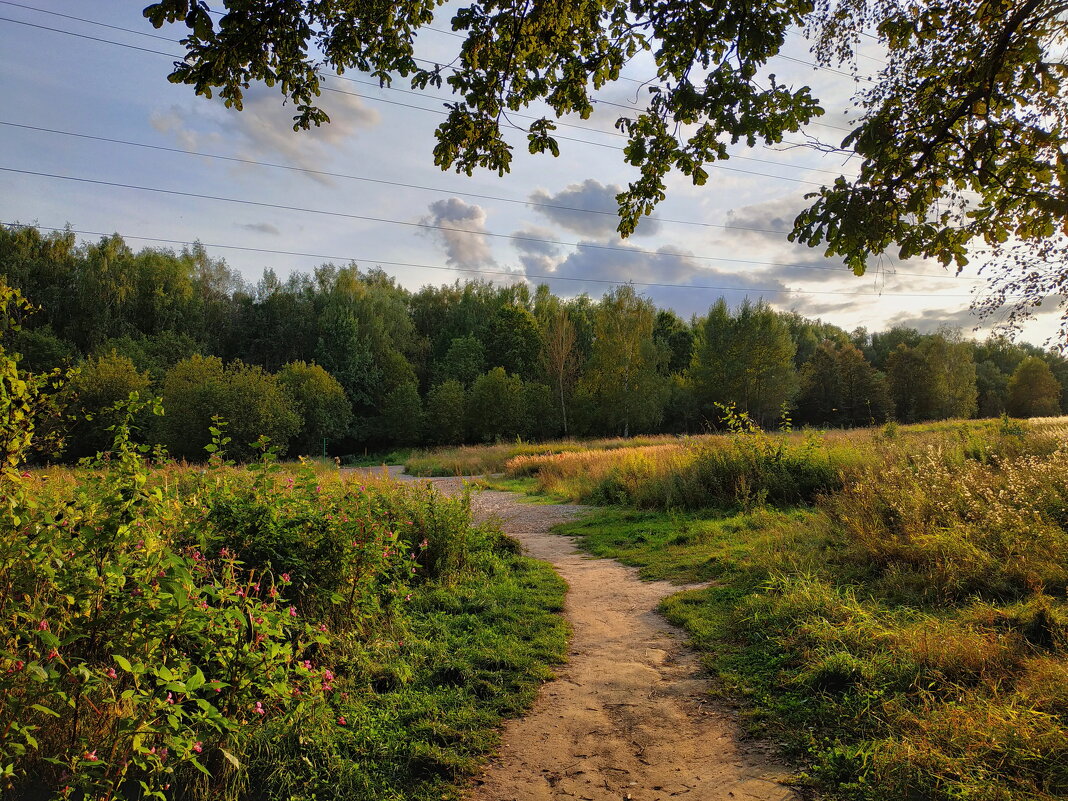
<point>99,386</point>
<point>198,389</point>
<point>623,381</point>
<point>446,413</point>
<point>952,135</point>
<point>1032,391</point>
<point>745,357</point>
<point>320,400</point>
<point>464,362</point>
<point>495,407</point>
<point>934,380</point>
<point>402,414</point>
<point>243,634</point>
<point>839,387</point>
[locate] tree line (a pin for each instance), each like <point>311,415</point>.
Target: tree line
<point>341,360</point>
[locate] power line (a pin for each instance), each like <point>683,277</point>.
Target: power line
<point>437,111</point>
<point>383,182</point>
<point>510,274</point>
<point>421,225</point>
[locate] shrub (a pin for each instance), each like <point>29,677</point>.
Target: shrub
<point>93,393</point>
<point>321,402</point>
<point>200,388</point>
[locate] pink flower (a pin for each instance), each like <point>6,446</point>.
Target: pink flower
<point>198,746</point>
<point>42,626</point>
<point>53,654</point>
<point>341,720</point>
<point>307,664</point>
<point>240,593</point>
<point>273,593</point>
<point>424,543</point>
<point>259,709</point>
<point>408,597</point>
<point>322,627</point>
<point>292,611</point>
<point>112,674</point>
<point>170,698</point>
<point>285,578</point>
<point>90,756</point>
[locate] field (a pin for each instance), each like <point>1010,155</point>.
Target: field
<point>890,604</point>
<point>268,633</point>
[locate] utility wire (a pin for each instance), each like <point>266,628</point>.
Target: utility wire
<point>438,111</point>
<point>383,182</point>
<point>546,277</point>
<point>421,225</point>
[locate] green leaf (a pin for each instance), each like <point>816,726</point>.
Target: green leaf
<point>123,662</point>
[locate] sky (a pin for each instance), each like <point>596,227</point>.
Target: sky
<point>364,188</point>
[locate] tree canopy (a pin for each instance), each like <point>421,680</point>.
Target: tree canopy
<point>960,137</point>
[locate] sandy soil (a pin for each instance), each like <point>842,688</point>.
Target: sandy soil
<point>627,717</point>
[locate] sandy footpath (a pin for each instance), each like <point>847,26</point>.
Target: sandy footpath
<point>626,717</point>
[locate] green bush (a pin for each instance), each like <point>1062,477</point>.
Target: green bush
<point>321,401</point>
<point>252,401</point>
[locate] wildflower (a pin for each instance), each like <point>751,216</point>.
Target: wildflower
<point>424,543</point>
<point>341,720</point>
<point>53,654</point>
<point>42,626</point>
<point>285,578</point>
<point>408,597</point>
<point>198,746</point>
<point>112,674</point>
<point>307,664</point>
<point>19,664</point>
<point>273,593</point>
<point>259,709</point>
<point>240,593</point>
<point>170,698</point>
<point>90,756</point>
<point>289,482</point>
<point>322,627</point>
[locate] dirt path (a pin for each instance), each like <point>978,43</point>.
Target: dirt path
<point>625,718</point>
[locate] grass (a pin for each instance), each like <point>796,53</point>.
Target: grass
<point>906,635</point>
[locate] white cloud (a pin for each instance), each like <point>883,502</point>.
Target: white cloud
<point>588,208</point>
<point>462,249</point>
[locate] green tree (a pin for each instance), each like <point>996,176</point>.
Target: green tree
<point>560,358</point>
<point>513,341</point>
<point>250,400</point>
<point>746,358</point>
<point>540,411</point>
<point>321,401</point>
<point>952,135</point>
<point>402,415</point>
<point>624,378</point>
<point>935,380</point>
<point>1033,391</point>
<point>464,361</point>
<point>840,388</point>
<point>446,408</point>
<point>677,337</point>
<point>495,406</point>
<point>98,385</point>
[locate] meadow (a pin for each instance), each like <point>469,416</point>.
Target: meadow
<point>889,604</point>
<point>258,632</point>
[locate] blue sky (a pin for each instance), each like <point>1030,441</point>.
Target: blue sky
<point>103,89</point>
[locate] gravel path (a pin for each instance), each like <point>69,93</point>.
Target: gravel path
<point>627,717</point>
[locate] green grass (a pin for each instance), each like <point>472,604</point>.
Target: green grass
<point>473,654</point>
<point>880,680</point>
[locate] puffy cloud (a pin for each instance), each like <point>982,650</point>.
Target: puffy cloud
<point>537,257</point>
<point>578,200</point>
<point>263,129</point>
<point>594,269</point>
<point>462,249</point>
<point>774,216</point>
